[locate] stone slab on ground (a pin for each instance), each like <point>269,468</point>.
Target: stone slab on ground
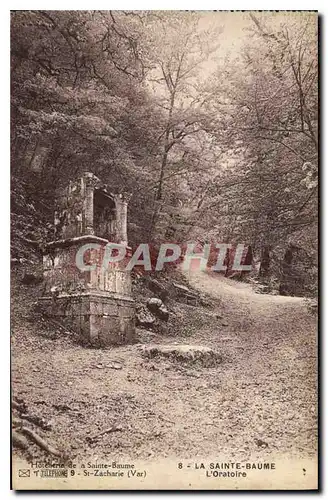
<point>183,353</point>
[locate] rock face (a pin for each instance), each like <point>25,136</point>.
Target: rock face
<point>189,354</point>
<point>157,307</point>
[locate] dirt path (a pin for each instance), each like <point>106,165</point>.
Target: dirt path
<point>270,348</point>
<point>260,401</point>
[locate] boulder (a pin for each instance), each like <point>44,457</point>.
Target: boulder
<point>154,303</point>
<point>157,307</point>
<point>144,318</point>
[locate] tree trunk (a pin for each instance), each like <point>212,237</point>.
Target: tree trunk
<point>285,287</point>
<point>265,261</point>
<point>166,149</point>
<point>248,261</point>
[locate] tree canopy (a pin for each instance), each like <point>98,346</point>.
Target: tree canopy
<point>214,146</point>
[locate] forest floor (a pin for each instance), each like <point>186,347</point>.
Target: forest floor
<point>261,400</point>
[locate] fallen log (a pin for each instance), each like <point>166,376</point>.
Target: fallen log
<point>39,421</point>
<point>19,441</point>
<point>21,407</point>
<point>41,442</point>
<point>102,433</point>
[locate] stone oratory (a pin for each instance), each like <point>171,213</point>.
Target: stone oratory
<point>96,303</point>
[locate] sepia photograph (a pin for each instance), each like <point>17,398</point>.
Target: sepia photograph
<point>164,250</point>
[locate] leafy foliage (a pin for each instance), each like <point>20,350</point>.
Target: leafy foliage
<point>221,154</point>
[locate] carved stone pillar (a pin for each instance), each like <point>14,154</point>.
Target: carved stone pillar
<point>121,204</point>
<point>88,207</point>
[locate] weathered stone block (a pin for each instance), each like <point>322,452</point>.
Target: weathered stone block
<point>126,312</point>
<point>110,331</point>
<point>96,308</point>
<point>110,308</point>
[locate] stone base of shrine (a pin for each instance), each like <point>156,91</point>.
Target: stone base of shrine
<point>98,318</point>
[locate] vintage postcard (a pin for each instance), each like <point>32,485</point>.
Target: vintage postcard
<point>164,250</point>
